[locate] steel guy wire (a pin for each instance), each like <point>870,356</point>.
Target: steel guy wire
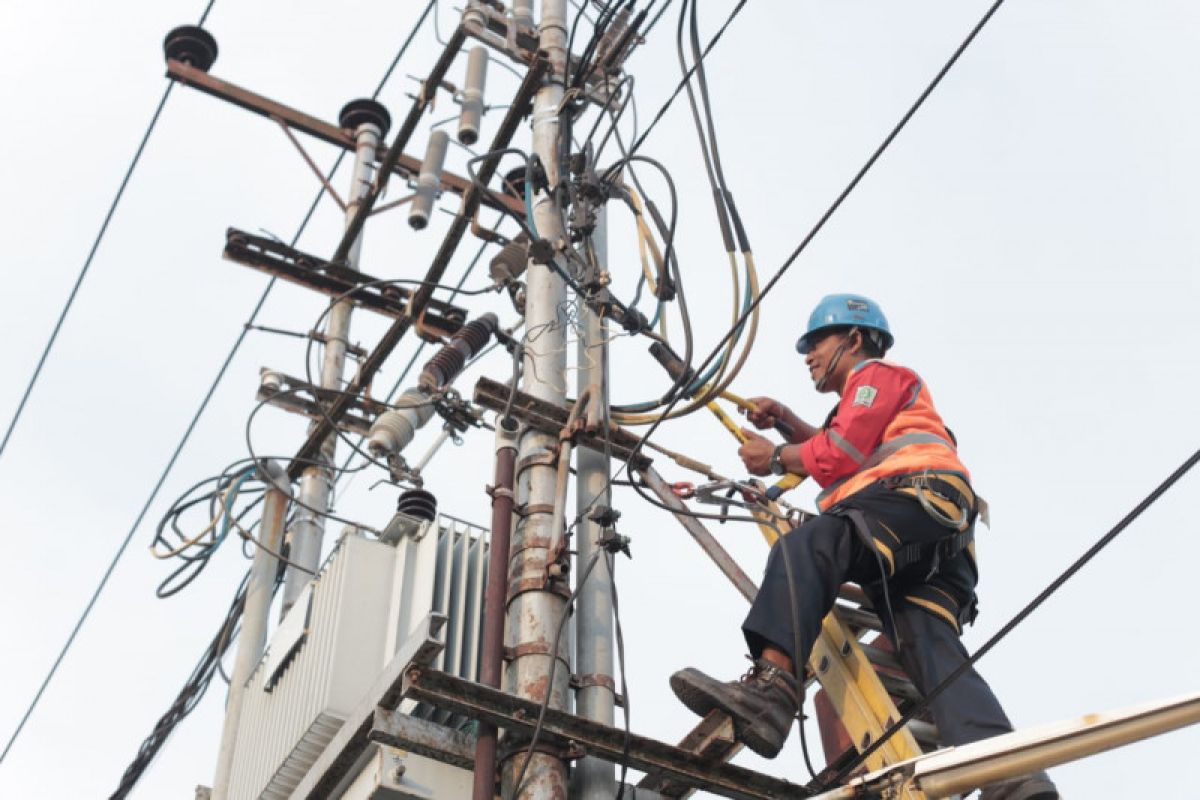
<point>179,447</point>
<point>87,263</point>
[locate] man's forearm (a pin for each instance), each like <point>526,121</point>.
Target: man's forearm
<point>801,431</point>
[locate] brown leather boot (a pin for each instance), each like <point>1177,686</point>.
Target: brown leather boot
<point>762,703</point>
<point>1030,787</point>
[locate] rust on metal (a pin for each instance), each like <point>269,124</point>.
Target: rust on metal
<point>559,729</point>
<point>551,419</point>
<point>275,258</point>
<point>301,397</point>
<point>590,679</point>
<point>529,509</point>
<point>539,583</point>
<point>547,458</point>
<point>406,166</point>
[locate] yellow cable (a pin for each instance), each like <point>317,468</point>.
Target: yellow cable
<point>154,551</point>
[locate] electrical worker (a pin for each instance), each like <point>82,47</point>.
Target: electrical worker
<point>897,517</point>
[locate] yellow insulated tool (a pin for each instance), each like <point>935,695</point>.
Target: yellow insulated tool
<point>676,368</point>
<point>789,481</point>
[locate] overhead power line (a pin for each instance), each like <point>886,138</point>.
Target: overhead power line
<point>833,207</point>
<point>87,263</point>
<point>194,420</point>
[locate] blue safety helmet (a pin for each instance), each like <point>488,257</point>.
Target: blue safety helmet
<point>846,310</point>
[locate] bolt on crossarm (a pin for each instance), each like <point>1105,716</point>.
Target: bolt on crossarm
<point>370,121</point>
<point>536,605</point>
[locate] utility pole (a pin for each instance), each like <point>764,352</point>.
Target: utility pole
<point>536,604</point>
<point>595,697</point>
<point>260,589</point>
<point>369,120</point>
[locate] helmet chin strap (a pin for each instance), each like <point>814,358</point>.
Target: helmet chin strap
<point>823,381</point>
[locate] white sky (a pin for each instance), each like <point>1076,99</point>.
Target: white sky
<point>1031,236</point>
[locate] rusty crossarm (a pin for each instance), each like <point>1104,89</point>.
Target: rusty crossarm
<point>549,418</point>
<point>560,729</point>
<point>404,165</point>
<point>421,298</point>
<point>441,319</point>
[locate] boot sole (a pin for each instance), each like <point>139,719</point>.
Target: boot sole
<point>692,692</point>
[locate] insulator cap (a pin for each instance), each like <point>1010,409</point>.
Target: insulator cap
<point>192,45</point>
<point>514,183</point>
<point>362,112</point>
<point>418,503</point>
<point>393,430</point>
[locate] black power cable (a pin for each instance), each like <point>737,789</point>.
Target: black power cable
<point>188,698</point>
<point>186,436</point>
<point>87,263</point>
<point>833,207</point>
<point>686,78</point>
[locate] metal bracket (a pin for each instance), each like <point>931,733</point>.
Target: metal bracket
<point>440,319</point>
<point>302,397</point>
<point>549,418</point>
<point>566,731</point>
<point>405,166</point>
<point>589,680</point>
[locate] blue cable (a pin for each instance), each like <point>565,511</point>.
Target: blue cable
<point>230,499</point>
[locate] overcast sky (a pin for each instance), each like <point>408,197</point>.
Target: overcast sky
<point>1031,237</point>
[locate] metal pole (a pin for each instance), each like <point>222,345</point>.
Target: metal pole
<point>595,699</point>
<point>253,638</point>
<point>317,480</point>
<point>536,606</point>
<point>491,655</point>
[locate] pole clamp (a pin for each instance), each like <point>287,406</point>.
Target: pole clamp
<point>497,492</point>
<point>590,679</point>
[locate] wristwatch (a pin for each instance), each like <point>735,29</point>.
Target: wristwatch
<point>777,467</point>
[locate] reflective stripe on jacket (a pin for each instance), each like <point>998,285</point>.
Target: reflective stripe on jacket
<point>885,425</point>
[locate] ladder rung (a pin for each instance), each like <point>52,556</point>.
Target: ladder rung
<point>881,658</point>
<point>857,618</point>
<point>926,734</point>
<point>899,687</point>
<point>854,594</point>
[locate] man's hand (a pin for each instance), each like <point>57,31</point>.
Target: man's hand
<point>756,453</point>
<point>767,411</point>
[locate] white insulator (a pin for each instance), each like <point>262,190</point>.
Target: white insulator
<point>472,96</point>
<point>523,13</point>
<point>270,381</point>
<point>429,181</point>
<point>394,430</point>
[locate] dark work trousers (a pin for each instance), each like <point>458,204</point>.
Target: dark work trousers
<point>826,552</point>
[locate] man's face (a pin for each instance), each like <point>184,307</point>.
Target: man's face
<point>819,359</point>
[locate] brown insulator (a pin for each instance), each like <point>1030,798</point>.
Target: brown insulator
<point>466,343</point>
